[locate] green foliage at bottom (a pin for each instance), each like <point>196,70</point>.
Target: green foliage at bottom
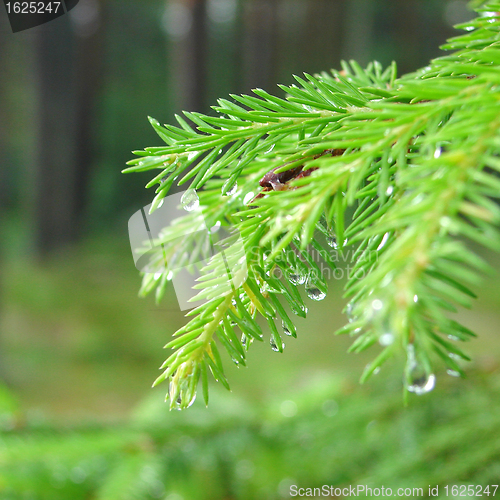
<point>330,433</point>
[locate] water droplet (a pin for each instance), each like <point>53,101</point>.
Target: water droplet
<point>190,200</point>
<point>386,339</point>
<point>313,292</point>
<point>417,379</point>
<point>377,305</point>
<point>277,273</point>
<point>191,401</point>
<point>421,384</point>
<point>192,155</point>
<point>454,337</point>
<point>454,356</point>
<point>274,345</point>
<point>297,278</point>
<point>244,340</point>
<point>415,298</point>
<point>389,191</point>
<point>445,222</point>
<point>304,309</point>
<point>331,241</point>
<point>286,330</point>
<point>178,405</point>
<point>249,196</point>
<point>437,153</point>
<point>383,242</point>
<point>376,371</point>
<point>232,190</point>
<point>453,373</point>
<point>350,312</point>
<point>157,276</point>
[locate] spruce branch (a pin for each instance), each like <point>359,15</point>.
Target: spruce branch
<point>398,171</point>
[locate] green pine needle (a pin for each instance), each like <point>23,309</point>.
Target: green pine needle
<point>392,172</point>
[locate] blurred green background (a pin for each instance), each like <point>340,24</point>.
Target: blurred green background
<point>79,350</point>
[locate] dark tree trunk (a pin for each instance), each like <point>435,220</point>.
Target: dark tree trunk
<point>4,193</point>
<point>4,187</point>
<point>68,58</point>
<point>189,55</point>
<point>89,74</point>
<point>358,30</point>
<point>260,44</point>
<point>55,173</point>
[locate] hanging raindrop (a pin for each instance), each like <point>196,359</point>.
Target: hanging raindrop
<point>417,378</point>
<point>383,242</point>
<point>286,330</point>
<point>350,312</point>
<point>246,340</point>
<point>274,345</point>
<point>297,278</point>
<point>453,373</point>
<point>313,292</point>
<point>190,200</point>
<point>232,190</point>
<point>331,241</point>
<point>421,382</point>
<point>386,339</point>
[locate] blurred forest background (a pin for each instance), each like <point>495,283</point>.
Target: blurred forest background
<point>79,350</point>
